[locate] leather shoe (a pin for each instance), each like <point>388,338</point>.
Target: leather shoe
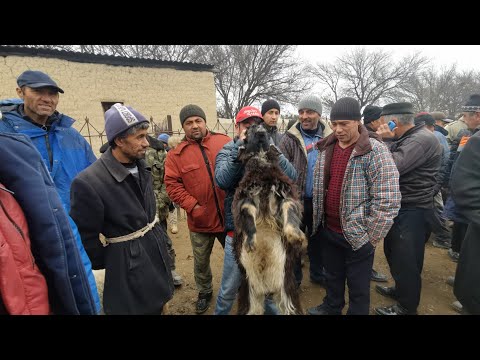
<point>395,309</point>
<point>322,309</point>
<point>388,291</point>
<point>203,303</point>
<point>378,277</point>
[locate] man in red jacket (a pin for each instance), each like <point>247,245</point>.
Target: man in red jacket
<point>189,179</point>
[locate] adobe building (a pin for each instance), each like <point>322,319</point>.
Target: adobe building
<point>92,83</point>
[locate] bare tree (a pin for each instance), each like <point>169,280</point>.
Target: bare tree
<point>367,76</point>
<point>444,91</point>
<point>245,74</point>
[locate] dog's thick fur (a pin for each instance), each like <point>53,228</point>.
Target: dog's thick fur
<point>268,239</point>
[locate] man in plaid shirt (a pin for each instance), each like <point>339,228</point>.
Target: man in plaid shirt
<point>356,196</point>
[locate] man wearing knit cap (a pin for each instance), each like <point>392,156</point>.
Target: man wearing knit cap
<point>372,118</point>
<point>417,155</point>
<point>228,174</point>
<point>270,115</point>
<point>356,212</point>
<point>298,146</point>
<point>189,178</point>
<point>113,200</point>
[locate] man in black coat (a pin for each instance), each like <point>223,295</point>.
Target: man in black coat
<point>113,200</point>
<point>465,188</point>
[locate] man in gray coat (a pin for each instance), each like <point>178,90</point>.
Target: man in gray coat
<point>113,200</point>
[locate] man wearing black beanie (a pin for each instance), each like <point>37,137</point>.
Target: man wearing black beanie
<point>270,115</point>
<point>372,117</point>
<point>357,210</point>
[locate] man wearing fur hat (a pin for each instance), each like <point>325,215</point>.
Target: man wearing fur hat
<point>298,146</point>
<point>189,179</point>
<point>355,199</point>
<point>113,200</point>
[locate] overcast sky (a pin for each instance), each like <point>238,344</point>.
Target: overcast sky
<point>467,57</point>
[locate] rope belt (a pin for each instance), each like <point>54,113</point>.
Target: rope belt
<point>135,235</point>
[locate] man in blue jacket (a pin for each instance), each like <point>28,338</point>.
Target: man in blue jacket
<point>52,240</point>
<point>228,173</point>
<point>64,151</point>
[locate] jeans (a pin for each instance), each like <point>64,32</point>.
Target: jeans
<point>231,280</point>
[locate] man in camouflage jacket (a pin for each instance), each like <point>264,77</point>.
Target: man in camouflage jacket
<point>155,158</point>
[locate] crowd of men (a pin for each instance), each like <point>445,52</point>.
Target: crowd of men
<point>388,174</point>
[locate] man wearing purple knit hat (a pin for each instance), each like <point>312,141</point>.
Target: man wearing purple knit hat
<point>113,200</point>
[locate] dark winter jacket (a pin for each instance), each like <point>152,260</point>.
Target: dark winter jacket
<point>466,193</point>
<point>229,171</point>
<point>53,241</point>
<point>293,147</point>
<point>418,156</point>
<point>106,199</point>
<point>23,289</point>
<point>64,152</point>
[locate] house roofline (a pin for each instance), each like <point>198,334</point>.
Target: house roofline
<point>101,59</point>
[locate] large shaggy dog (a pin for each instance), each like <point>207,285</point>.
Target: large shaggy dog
<point>267,216</point>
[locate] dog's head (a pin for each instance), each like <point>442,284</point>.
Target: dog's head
<point>256,142</point>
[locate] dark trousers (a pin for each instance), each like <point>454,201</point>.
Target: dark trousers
<point>459,230</point>
<point>314,246</point>
<point>404,248</point>
<point>343,263</point>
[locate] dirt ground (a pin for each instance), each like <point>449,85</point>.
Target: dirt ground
<point>435,299</point>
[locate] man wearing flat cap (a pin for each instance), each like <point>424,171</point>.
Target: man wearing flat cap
<point>113,203</point>
<point>440,118</point>
<point>417,155</point>
<point>64,151</point>
<point>471,118</point>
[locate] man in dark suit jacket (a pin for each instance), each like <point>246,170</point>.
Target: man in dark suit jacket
<point>466,193</point>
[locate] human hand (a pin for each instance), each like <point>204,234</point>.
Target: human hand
<point>385,132</point>
<point>243,134</point>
